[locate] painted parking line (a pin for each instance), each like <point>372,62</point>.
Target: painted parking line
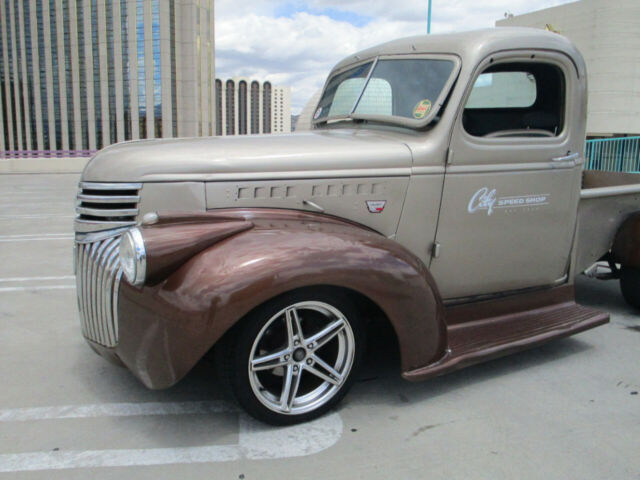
<point>36,288</point>
<point>52,215</point>
<point>114,410</point>
<point>256,441</point>
<point>37,283</point>
<point>35,279</point>
<point>36,237</point>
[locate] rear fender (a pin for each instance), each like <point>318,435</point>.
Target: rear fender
<point>626,246</point>
<point>173,323</point>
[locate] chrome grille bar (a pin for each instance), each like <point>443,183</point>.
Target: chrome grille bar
<point>97,279</point>
<point>106,206</point>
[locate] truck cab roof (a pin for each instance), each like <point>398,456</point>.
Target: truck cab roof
<point>473,46</point>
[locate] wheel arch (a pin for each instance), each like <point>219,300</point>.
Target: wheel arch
<point>178,320</point>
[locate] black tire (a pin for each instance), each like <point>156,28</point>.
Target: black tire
<point>263,326</point>
<point>630,285</point>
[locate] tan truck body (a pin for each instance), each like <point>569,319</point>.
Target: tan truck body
<point>497,225</point>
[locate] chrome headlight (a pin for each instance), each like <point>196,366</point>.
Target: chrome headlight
<point>133,257</point>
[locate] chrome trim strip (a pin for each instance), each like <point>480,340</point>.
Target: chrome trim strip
<point>83,197</point>
<point>83,227</point>
<point>96,212</point>
<point>512,167</point>
<point>109,186</point>
<point>112,263</point>
<point>97,279</point>
<point>91,237</point>
<point>610,191</point>
<point>116,289</point>
<point>428,170</point>
<point>315,174</point>
<point>364,86</point>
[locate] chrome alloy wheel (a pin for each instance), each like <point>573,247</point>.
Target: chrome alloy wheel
<point>301,358</point>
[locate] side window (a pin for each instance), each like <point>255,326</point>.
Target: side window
<point>503,90</point>
<point>516,100</point>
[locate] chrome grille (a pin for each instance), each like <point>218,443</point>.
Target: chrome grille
<point>104,206</point>
<point>97,280</point>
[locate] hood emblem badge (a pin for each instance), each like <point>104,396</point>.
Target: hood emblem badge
<point>376,206</point>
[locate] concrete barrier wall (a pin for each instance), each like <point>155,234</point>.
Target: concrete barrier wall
<point>42,165</point>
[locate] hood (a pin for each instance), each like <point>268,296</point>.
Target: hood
<point>317,154</point>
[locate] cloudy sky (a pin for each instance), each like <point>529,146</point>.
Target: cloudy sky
<point>297,42</point>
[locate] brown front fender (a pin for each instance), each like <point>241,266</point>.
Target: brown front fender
<point>167,327</point>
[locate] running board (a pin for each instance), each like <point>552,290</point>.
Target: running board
<point>481,340</point>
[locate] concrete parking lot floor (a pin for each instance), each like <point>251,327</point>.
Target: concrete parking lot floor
<point>567,410</point>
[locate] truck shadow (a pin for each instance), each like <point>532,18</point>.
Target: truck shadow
<point>380,381</point>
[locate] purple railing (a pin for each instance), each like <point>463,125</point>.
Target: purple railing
<point>46,153</point>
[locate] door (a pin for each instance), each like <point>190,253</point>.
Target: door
<point>512,183</point>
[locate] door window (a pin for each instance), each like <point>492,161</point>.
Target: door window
<point>516,100</point>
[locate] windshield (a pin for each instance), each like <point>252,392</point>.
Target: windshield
<point>406,88</point>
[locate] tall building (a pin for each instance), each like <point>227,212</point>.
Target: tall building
<point>246,106</point>
<point>78,75</point>
<point>607,34</point>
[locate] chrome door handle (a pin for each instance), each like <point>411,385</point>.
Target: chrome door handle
<point>566,158</point>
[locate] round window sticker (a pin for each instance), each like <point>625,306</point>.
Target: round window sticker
<point>422,109</point>
<point>318,113</point>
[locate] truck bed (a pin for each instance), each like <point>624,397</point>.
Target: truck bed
<point>606,200</point>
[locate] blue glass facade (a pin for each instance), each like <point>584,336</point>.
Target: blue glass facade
<point>75,74</point>
<point>174,78</point>
<point>82,75</point>
<point>157,70</point>
<point>142,93</point>
<point>126,69</point>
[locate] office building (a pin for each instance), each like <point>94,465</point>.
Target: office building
<point>608,36</point>
<point>78,75</point>
<point>245,106</point>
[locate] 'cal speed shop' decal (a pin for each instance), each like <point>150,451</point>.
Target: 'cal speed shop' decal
<point>485,199</point>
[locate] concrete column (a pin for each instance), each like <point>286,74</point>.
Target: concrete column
<point>75,75</point>
<point>88,56</point>
<point>104,72</point>
<point>133,70</point>
<point>212,67</point>
<point>49,75</point>
<point>149,63</point>
<point>186,34</point>
<point>7,75</point>
<point>117,57</point>
<point>223,109</point>
<point>25,76</point>
<point>37,90</point>
<point>16,74</point>
<point>62,77</point>
<point>165,65</point>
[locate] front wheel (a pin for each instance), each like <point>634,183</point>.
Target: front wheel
<point>630,285</point>
<point>295,358</point>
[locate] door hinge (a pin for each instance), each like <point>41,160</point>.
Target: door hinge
<point>449,156</point>
<point>435,249</point>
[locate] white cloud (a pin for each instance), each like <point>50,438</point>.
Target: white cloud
<point>299,50</point>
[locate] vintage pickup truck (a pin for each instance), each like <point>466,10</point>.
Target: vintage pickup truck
<point>441,189</point>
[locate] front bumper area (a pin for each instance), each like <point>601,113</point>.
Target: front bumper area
<point>114,320</point>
